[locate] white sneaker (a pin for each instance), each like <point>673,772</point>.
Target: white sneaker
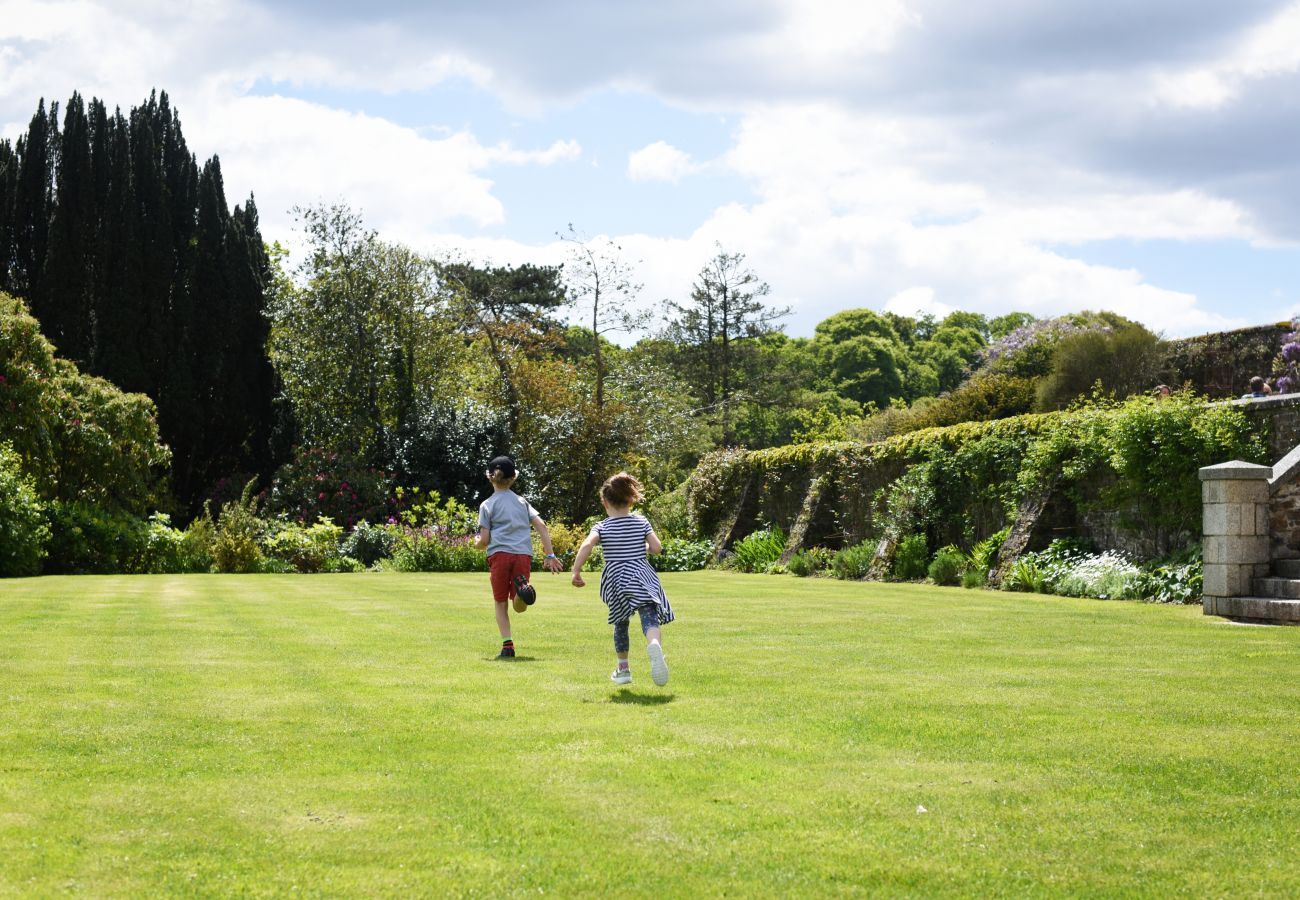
<point>658,666</point>
<point>621,676</point>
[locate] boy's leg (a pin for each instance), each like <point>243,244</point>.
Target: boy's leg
<point>521,592</point>
<point>499,577</point>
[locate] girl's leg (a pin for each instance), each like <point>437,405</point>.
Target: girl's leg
<point>650,624</point>
<point>621,643</point>
<point>650,627</point>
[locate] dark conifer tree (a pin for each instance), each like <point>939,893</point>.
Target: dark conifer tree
<point>135,266</point>
<point>33,200</point>
<point>67,280</point>
<point>8,192</point>
<point>118,301</point>
<point>250,379</point>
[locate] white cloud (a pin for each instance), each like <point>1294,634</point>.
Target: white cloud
<point>1269,49</point>
<point>291,152</point>
<point>659,161</point>
<point>898,152</point>
<point>915,301</point>
<point>560,151</point>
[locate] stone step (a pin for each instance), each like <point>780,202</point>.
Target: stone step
<point>1256,609</point>
<point>1286,568</point>
<point>1280,588</point>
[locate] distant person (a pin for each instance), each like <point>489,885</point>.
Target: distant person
<point>505,524</point>
<point>1258,388</point>
<point>627,584</point>
<point>1161,392</point>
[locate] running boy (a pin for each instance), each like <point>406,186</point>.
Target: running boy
<point>505,521</point>
<point>627,583</point>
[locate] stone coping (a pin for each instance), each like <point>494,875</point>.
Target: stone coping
<point>1292,399</point>
<point>1236,470</point>
<point>1284,469</point>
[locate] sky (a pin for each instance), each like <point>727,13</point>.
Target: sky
<point>915,156</point>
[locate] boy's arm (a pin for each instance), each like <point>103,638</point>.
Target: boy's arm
<point>583,553</point>
<point>484,533</point>
<point>551,562</point>
<point>653,544</point>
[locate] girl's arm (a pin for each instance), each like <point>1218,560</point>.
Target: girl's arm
<point>652,543</point>
<point>583,553</point>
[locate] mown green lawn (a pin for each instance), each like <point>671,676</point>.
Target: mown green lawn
<point>351,735</point>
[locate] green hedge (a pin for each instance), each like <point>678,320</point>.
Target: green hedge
<point>1139,457</point>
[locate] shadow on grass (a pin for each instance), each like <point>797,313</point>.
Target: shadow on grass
<point>626,696</point>
<point>513,659</point>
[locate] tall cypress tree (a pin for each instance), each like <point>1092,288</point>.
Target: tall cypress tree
<point>32,202</point>
<point>67,279</point>
<point>118,301</point>
<point>8,192</point>
<point>249,377</point>
<point>134,264</point>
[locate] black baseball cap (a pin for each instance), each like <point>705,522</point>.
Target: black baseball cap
<point>502,465</point>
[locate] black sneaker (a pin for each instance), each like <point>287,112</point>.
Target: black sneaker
<point>525,591</point>
<point>506,653</point>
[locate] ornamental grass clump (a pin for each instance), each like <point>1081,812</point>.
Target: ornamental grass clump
<point>759,550</point>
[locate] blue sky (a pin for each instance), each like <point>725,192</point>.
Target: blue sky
<point>911,155</point>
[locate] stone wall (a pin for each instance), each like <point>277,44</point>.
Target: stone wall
<point>1281,413</point>
<point>1221,365</point>
<point>1284,522</point>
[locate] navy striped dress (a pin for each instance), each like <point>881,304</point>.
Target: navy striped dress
<point>627,582</point>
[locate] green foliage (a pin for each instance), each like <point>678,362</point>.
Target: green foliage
<point>1148,451</point>
<point>236,546</point>
<point>854,562</point>
<point>364,340</point>
<point>449,515</point>
<point>166,550</point>
<point>758,550</point>
<point>80,438</point>
<point>197,542</point>
<point>1120,361</point>
<point>369,543</point>
<point>911,558</point>
<point>715,483</point>
<point>320,483</point>
<point>434,549</point>
<point>1174,582</point>
<point>310,548</point>
<point>22,519</point>
<point>947,566</point>
<point>809,561</point>
<point>1024,576</point>
<point>972,578</point>
<point>86,539</point>
<point>669,514</point>
<point>682,555</point>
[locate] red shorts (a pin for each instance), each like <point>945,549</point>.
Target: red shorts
<point>504,568</point>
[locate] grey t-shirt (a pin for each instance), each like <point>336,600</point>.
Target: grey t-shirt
<point>508,517</point>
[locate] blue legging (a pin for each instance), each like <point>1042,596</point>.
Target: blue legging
<point>649,619</point>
